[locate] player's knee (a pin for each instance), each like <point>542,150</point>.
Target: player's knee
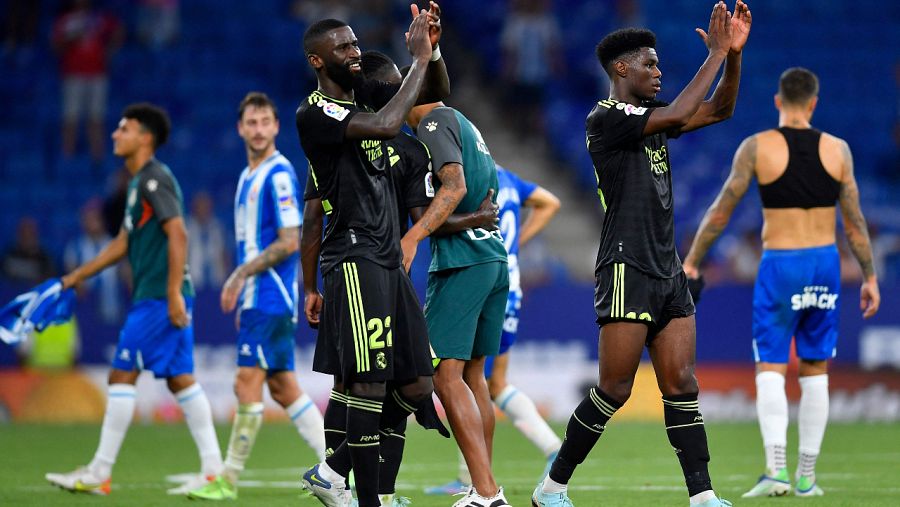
<point>419,390</point>
<point>683,383</point>
<point>619,390</point>
<point>369,390</point>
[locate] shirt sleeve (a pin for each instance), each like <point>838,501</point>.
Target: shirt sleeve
<point>323,123</point>
<point>524,187</point>
<point>417,186</point>
<point>439,131</point>
<point>623,124</point>
<point>284,198</point>
<point>158,189</point>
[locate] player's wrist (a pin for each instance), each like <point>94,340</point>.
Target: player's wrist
<point>435,53</point>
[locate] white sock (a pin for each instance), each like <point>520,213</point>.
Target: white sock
<point>772,411</point>
<point>812,421</point>
<point>462,473</point>
<point>524,415</point>
<point>703,496</point>
<point>308,420</point>
<point>119,412</point>
<point>246,425</point>
<point>198,415</point>
<point>331,476</point>
<point>551,486</point>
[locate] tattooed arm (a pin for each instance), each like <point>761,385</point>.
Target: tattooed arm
<point>448,196</point>
<point>287,244</point>
<point>717,216</point>
<point>858,235</point>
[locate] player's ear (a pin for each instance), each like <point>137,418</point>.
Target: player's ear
<point>620,67</point>
<point>315,61</point>
<point>777,102</point>
<point>812,104</point>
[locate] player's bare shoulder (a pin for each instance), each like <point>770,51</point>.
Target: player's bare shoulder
<point>834,153</point>
<point>771,155</point>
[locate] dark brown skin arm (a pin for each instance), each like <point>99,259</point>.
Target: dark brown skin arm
<point>677,114</point>
<point>386,123</point>
<point>310,246</point>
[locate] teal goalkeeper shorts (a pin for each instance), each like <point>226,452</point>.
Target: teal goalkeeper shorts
<point>465,308</point>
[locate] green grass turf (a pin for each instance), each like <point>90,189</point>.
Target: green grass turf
<point>632,465</point>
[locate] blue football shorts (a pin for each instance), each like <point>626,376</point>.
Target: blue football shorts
<point>148,341</point>
<point>796,296</point>
<point>266,341</point>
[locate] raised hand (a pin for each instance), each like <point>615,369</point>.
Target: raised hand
<point>417,38</point>
<point>740,26</point>
<point>718,39</point>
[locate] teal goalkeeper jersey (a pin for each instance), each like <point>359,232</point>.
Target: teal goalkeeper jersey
<point>451,138</point>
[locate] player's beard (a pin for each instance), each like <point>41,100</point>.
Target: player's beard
<point>342,75</point>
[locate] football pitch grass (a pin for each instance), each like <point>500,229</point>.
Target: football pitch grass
<point>632,465</point>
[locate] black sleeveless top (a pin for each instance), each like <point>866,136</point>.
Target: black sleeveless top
<point>805,183</point>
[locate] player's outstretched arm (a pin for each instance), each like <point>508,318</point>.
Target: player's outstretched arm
<point>544,205</point>
<point>177,259</point>
<point>677,114</point>
<point>452,191</point>
<point>111,254</point>
<point>721,105</point>
<point>858,234</point>
<point>286,244</point>
<point>743,169</point>
<point>310,246</point>
<point>386,123</point>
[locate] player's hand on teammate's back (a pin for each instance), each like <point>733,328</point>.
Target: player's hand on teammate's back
<point>178,315</point>
<point>417,39</point>
<point>740,26</point>
<point>869,298</point>
<point>488,213</point>
<point>718,38</point>
<point>232,290</point>
<point>312,307</point>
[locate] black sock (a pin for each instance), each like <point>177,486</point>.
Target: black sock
<point>335,421</point>
<point>396,410</point>
<point>363,438</point>
<point>585,427</point>
<point>687,434</point>
<point>392,443</point>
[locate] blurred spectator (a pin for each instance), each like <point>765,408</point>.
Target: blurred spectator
<point>207,252</point>
<point>531,55</point>
<point>114,202</point>
<point>629,14</point>
<point>21,23</point>
<point>743,256</point>
<point>85,247</point>
<point>26,261</point>
<point>314,10</point>
<point>158,22</point>
<point>85,39</point>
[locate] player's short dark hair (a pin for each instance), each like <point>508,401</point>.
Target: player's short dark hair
<point>797,85</point>
<point>317,30</point>
<point>375,64</point>
<point>624,41</point>
<point>258,100</point>
<point>152,118</point>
